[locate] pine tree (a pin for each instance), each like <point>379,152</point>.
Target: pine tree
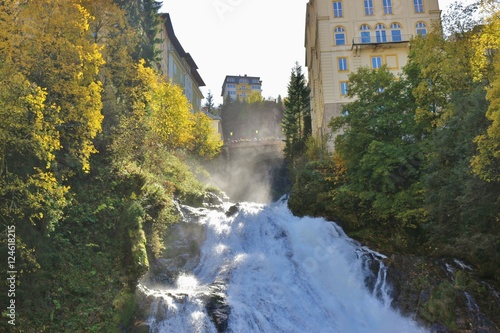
<point>143,16</point>
<point>209,103</point>
<point>297,115</point>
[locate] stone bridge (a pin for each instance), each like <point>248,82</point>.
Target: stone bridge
<point>254,150</point>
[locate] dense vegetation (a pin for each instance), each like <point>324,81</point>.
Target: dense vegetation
<point>296,121</point>
<point>416,160</point>
<point>94,146</point>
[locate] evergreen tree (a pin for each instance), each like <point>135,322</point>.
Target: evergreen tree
<point>296,122</point>
<point>143,16</point>
<point>209,103</point>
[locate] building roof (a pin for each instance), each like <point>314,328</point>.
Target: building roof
<point>212,116</point>
<point>180,50</point>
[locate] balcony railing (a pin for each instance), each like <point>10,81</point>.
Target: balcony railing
<point>379,39</point>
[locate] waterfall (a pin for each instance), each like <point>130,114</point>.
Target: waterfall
<point>265,270</point>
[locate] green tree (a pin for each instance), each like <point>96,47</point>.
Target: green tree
<point>451,108</point>
<point>296,122</point>
<point>379,146</point>
<point>209,104</point>
<point>118,41</point>
<point>143,17</point>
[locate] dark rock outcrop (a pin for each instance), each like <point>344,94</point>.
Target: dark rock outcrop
<point>444,295</point>
<point>217,306</point>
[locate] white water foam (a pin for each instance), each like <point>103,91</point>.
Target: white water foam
<point>279,273</point>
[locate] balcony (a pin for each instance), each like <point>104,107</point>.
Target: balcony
<point>379,39</point>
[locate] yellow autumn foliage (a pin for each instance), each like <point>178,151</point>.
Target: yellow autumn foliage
<point>169,117</point>
<point>57,54</point>
<point>206,141</point>
<point>486,64</point>
<point>50,105</point>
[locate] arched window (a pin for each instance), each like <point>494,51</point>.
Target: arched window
<point>339,36</point>
<point>421,28</point>
<point>396,32</point>
<point>380,33</point>
<point>365,33</point>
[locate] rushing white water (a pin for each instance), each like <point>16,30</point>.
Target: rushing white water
<point>269,271</point>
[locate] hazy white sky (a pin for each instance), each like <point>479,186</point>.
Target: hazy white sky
<point>235,37</point>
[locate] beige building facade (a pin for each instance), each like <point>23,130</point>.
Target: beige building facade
<point>342,36</point>
<point>178,65</point>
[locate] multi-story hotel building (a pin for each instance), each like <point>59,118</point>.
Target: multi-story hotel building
<point>178,65</point>
<point>343,35</point>
<point>240,87</point>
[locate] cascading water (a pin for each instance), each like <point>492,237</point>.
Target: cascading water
<point>265,270</point>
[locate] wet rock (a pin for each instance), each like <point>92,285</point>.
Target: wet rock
<point>371,268</point>
<point>183,242</point>
<point>144,303</point>
<point>217,306</point>
<point>443,295</point>
<point>140,327</point>
<point>213,200</point>
<point>232,210</point>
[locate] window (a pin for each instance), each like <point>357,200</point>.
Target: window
<point>380,33</point>
<point>339,34</point>
<point>421,29</point>
<point>231,79</point>
<point>419,6</point>
<point>243,88</point>
<point>255,87</point>
<point>396,32</point>
<point>342,63</point>
<point>243,81</point>
<point>387,6</point>
<point>337,9</point>
<point>365,33</point>
<point>255,81</point>
<point>344,86</point>
<point>170,66</point>
<point>376,62</point>
<point>368,7</point>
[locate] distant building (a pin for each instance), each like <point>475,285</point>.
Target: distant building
<point>343,35</point>
<point>216,122</point>
<point>179,66</point>
<point>240,87</point>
